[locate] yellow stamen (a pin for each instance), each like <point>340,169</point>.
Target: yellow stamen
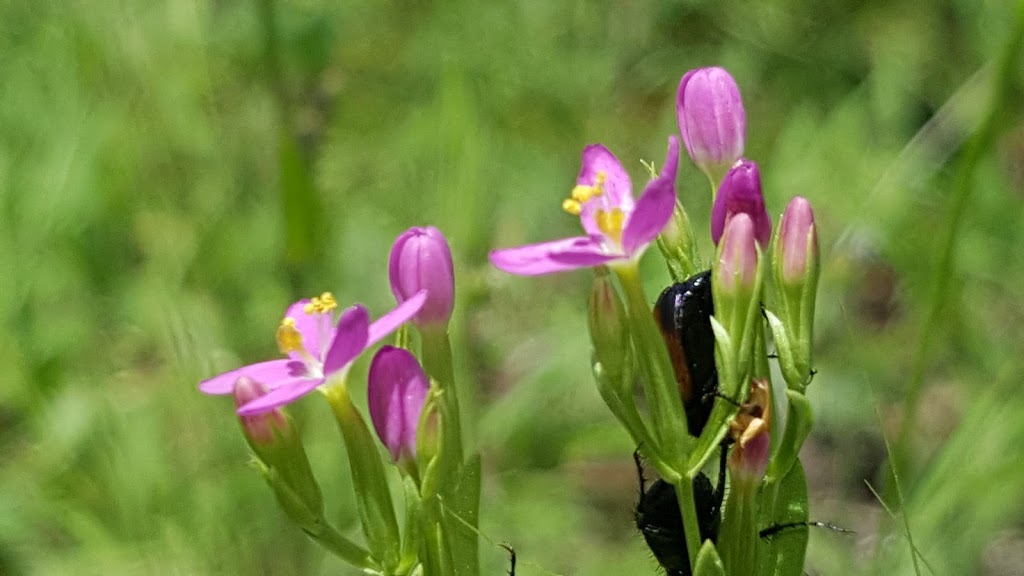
<point>610,223</point>
<point>320,304</point>
<point>583,193</point>
<point>288,337</point>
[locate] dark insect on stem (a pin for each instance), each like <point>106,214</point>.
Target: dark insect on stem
<point>658,518</point>
<point>683,312</point>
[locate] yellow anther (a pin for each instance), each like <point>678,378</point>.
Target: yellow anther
<point>581,193</point>
<point>288,337</point>
<point>320,304</point>
<point>610,222</point>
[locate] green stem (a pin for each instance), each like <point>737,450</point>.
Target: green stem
<point>437,361</point>
<point>739,535</point>
<point>684,493</point>
<point>664,403</point>
<point>343,548</point>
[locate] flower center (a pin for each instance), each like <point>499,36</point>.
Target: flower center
<point>609,222</point>
<point>288,337</point>
<point>321,304</point>
<point>582,193</point>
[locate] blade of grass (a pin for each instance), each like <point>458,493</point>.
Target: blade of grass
<point>906,534</point>
<point>963,188</point>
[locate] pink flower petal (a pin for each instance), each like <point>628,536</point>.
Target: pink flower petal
<point>618,190</point>
<point>349,339</point>
<point>284,394</point>
<point>309,326</point>
<point>617,186</point>
<point>654,209</point>
<point>582,255</point>
<point>390,322</point>
<point>397,389</point>
<point>271,373</point>
<point>536,259</point>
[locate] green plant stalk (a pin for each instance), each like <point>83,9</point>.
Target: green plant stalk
<point>664,403</point>
<point>437,361</point>
<point>684,494</point>
<point>738,539</point>
<point>343,548</point>
<point>963,187</point>
<point>373,499</point>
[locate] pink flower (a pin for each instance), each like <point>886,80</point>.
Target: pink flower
<point>396,390</point>
<point>711,118</point>
<point>421,260</point>
<point>316,349</point>
<point>617,228</point>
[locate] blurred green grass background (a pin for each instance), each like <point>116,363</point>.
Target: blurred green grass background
<point>173,174</point>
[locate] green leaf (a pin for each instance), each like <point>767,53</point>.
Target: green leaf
<point>782,553</point>
<point>798,425</point>
<point>708,562</point>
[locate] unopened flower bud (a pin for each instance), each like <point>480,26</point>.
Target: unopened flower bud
<point>737,277</point>
<point>711,119</point>
<point>798,241</point>
<point>795,269</point>
<point>279,449</point>
<point>740,193</point>
<point>259,429</point>
<point>397,390</point>
<point>420,259</point>
<point>606,315</point>
<point>737,260</point>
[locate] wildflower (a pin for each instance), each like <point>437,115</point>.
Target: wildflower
<point>740,193</point>
<point>618,230</point>
<point>421,260</point>
<point>316,349</point>
<point>711,119</point>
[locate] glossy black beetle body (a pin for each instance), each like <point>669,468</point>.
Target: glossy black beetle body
<point>683,312</point>
<point>658,519</point>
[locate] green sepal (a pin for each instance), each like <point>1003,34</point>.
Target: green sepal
<point>678,245</point>
<point>799,421</point>
<point>794,371</point>
<point>783,553</point>
<point>373,498</point>
<point>708,561</point>
<point>461,517</point>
